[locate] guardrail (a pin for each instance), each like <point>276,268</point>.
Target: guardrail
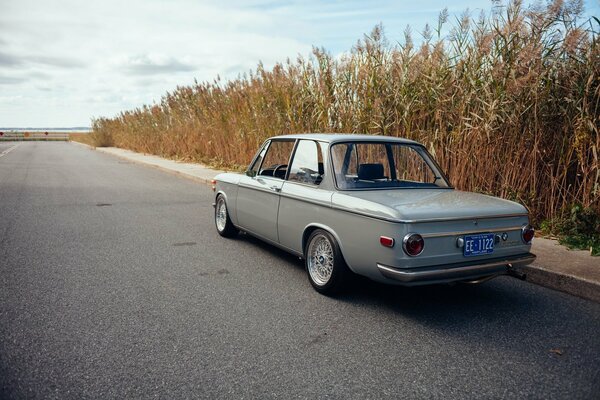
<point>33,136</point>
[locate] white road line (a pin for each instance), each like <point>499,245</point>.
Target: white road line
<point>5,152</point>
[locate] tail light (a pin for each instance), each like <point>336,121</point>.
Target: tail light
<point>527,233</point>
<point>214,185</point>
<point>413,244</point>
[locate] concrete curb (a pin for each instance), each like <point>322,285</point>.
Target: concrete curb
<point>573,285</point>
<point>571,272</point>
<point>195,172</point>
<point>82,144</point>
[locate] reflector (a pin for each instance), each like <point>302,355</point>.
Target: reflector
<point>386,241</point>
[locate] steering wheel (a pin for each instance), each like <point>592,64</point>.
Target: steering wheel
<point>277,168</point>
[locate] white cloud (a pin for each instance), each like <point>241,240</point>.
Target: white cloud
<point>150,64</point>
<point>65,61</point>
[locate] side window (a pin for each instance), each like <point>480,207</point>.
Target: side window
<point>275,161</point>
<point>258,161</point>
<point>411,167</point>
<point>307,166</point>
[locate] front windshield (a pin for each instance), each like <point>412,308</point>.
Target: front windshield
<point>375,165</point>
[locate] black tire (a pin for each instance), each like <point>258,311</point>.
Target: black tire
<point>224,226</point>
<point>339,277</point>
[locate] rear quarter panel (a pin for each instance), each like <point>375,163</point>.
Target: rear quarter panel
<point>359,241</point>
<point>358,238</point>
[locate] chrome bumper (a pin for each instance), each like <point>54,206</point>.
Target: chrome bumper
<point>455,272</point>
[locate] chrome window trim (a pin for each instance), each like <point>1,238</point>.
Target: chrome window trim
<point>419,148</point>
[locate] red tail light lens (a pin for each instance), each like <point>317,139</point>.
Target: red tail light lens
<point>386,241</point>
<point>413,244</point>
<point>528,233</point>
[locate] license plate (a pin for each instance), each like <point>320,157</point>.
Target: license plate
<point>476,245</point>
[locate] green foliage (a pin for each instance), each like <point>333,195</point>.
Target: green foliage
<point>508,103</point>
<point>579,229</point>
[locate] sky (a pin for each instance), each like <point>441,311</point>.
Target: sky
<point>64,62</point>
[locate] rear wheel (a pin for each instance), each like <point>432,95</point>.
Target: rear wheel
<point>327,271</point>
<point>223,223</point>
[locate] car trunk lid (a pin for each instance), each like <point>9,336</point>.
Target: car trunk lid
<point>422,205</point>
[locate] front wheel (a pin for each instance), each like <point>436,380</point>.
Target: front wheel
<point>327,271</point>
<point>223,223</point>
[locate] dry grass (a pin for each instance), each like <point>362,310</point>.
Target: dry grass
<point>84,138</point>
<point>509,104</point>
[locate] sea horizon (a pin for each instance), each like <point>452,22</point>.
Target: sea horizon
<point>47,129</point>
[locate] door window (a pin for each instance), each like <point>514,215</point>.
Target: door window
<point>307,166</point>
<point>275,162</point>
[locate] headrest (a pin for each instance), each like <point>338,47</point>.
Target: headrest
<point>370,172</point>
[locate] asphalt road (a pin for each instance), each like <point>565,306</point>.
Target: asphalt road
<point>114,284</point>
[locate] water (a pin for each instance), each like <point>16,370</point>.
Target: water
<point>82,129</point>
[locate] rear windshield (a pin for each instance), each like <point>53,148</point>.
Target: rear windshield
<point>374,165</point>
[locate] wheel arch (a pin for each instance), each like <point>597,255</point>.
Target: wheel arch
<point>310,228</point>
<point>220,192</point>
<point>231,210</point>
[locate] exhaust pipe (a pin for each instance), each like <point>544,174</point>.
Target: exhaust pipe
<point>480,280</point>
<point>515,274</point>
<point>510,271</point>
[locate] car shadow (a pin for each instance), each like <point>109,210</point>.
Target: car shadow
<point>505,315</point>
<point>504,308</point>
<point>271,249</point>
<point>506,318</point>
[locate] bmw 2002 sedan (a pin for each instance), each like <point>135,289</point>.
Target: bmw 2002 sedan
<point>375,206</point>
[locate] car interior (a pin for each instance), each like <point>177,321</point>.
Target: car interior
<point>353,174</point>
<point>280,170</point>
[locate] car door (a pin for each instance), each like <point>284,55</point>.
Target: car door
<point>303,200</point>
<point>259,190</point>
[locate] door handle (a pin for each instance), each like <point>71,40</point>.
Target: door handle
<point>275,188</point>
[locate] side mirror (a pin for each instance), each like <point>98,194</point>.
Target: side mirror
<point>250,173</point>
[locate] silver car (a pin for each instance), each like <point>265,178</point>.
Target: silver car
<point>375,206</point>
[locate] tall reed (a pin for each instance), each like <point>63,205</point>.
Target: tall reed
<point>509,104</point>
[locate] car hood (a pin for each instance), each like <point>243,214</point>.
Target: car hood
<point>424,204</point>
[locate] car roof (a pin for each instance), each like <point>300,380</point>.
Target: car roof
<point>345,137</point>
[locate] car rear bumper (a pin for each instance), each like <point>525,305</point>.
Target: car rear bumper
<point>466,271</point>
